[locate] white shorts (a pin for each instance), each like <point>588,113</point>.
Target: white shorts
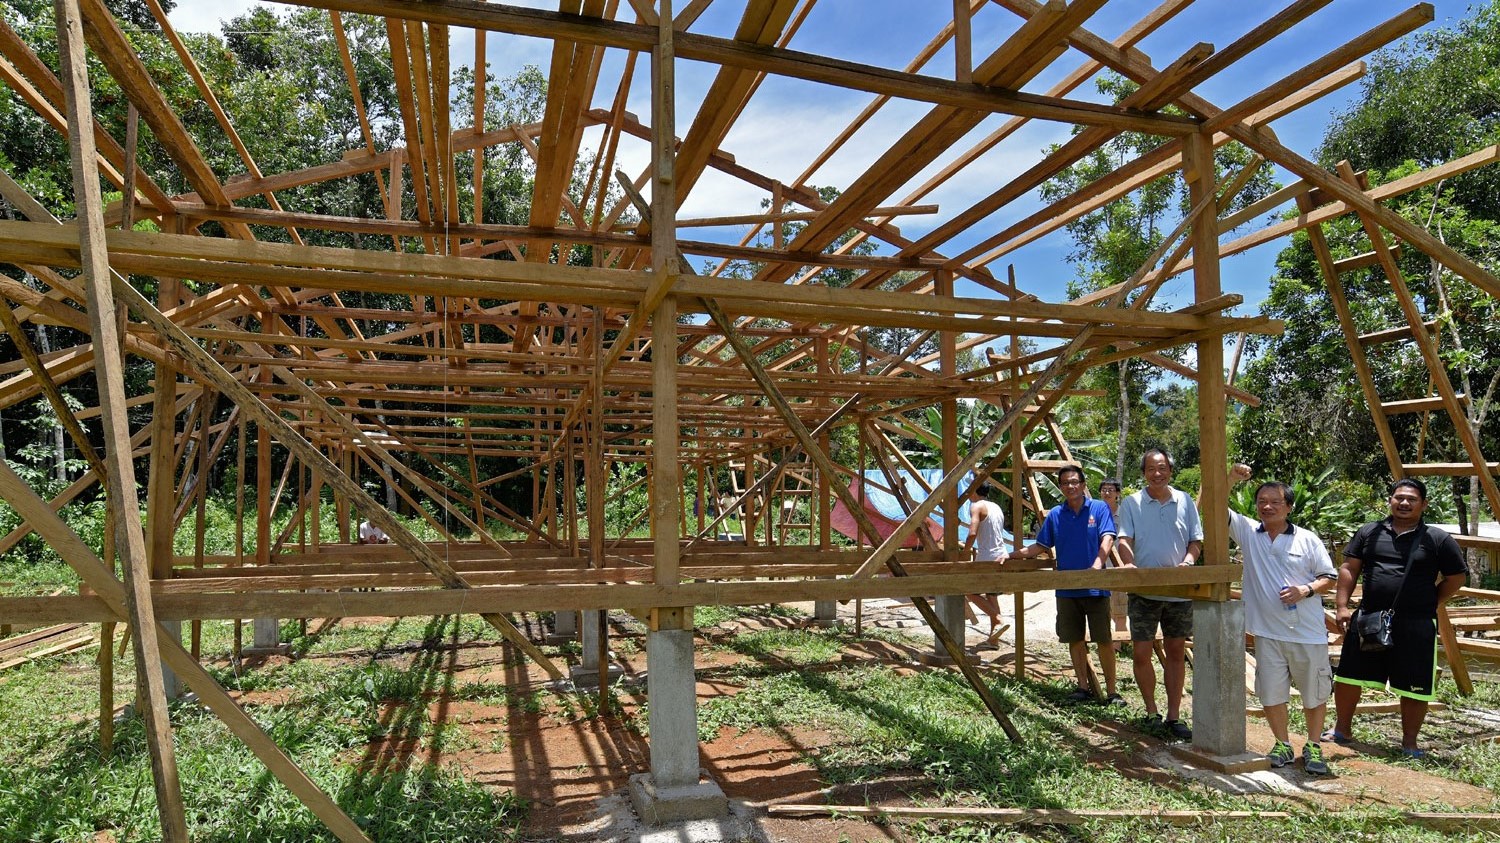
<point>1281,664</point>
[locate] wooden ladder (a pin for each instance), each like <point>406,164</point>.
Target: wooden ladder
<point>1440,397</point>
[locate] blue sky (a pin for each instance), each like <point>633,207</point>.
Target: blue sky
<point>789,120</point>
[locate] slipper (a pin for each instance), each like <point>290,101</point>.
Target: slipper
<point>1337,737</point>
<point>1414,754</point>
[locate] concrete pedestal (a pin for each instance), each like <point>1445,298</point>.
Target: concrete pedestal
<point>588,639</point>
<point>656,805</point>
<point>171,682</point>
<point>825,613</point>
<point>564,628</point>
<point>586,673</point>
<point>950,610</point>
<point>1218,680</point>
<point>676,788</point>
<point>672,698</point>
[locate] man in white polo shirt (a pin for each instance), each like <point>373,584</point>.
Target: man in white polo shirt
<point>1286,569</point>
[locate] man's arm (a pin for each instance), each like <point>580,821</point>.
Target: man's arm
<point>1348,576</point>
<point>1106,544</point>
<point>1127,552</point>
<point>1449,586</point>
<point>976,514</point>
<point>1194,550</point>
<point>1030,550</point>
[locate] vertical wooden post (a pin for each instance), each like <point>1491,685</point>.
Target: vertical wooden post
<point>340,502</point>
<point>239,523</point>
<point>1219,625</point>
<point>666,473</point>
<point>1198,164</point>
<point>1018,478</point>
<point>824,489</point>
<point>109,366</point>
<point>963,50</point>
<point>948,364</point>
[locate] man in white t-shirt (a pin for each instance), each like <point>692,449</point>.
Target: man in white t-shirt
<point>371,534</point>
<point>987,541</point>
<point>1286,568</point>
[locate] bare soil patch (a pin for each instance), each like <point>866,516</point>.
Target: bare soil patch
<point>563,761</point>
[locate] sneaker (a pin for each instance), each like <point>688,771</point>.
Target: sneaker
<point>1080,696</point>
<point>1312,759</point>
<point>1151,722</point>
<point>1178,730</point>
<point>1281,754</point>
<point>1115,701</point>
<point>1335,736</point>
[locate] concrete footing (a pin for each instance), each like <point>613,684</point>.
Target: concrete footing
<point>662,805</point>
<point>1245,762</point>
<point>588,677</point>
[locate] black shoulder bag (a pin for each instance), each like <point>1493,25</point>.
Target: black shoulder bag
<point>1374,628</point>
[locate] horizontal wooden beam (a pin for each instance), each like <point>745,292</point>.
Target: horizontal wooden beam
<point>507,599</point>
<point>724,51</point>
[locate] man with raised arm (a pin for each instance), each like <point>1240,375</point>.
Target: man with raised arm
<point>1286,569</point>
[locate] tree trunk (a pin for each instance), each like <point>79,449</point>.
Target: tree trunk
<point>59,441</point>
<point>1123,431</point>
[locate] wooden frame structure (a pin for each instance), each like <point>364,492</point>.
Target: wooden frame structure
<point>567,370</point>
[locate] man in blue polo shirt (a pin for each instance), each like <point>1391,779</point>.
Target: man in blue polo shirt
<point>1079,534</point>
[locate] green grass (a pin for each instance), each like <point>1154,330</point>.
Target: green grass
<point>56,785</point>
<point>356,692</point>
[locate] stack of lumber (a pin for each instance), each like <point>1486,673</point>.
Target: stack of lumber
<point>48,641</point>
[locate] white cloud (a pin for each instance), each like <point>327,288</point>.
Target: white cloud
<point>197,16</point>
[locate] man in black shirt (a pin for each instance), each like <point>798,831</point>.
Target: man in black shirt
<point>1414,579</point>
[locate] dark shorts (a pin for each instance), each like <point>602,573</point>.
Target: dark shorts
<point>1409,668</point>
<point>1174,617</point>
<point>1073,611</point>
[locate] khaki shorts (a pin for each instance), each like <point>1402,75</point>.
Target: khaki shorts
<point>1281,664</point>
<point>1073,611</point>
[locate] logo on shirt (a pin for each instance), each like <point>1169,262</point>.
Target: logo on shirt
<point>1091,520</point>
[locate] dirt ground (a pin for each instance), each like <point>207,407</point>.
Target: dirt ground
<point>572,769</point>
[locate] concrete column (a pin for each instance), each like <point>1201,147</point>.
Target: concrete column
<point>564,627</point>
<point>1219,678</point>
<point>825,612</point>
<point>673,707</point>
<point>950,610</point>
<point>677,788</point>
<point>586,672</point>
<point>266,633</point>
<point>171,682</point>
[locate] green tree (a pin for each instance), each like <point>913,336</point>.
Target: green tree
<point>1428,100</point>
<point>1110,244</point>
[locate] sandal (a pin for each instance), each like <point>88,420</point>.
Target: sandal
<point>1414,754</point>
<point>1337,737</point>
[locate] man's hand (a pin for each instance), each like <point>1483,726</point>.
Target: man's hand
<point>1342,616</point>
<point>1238,473</point>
